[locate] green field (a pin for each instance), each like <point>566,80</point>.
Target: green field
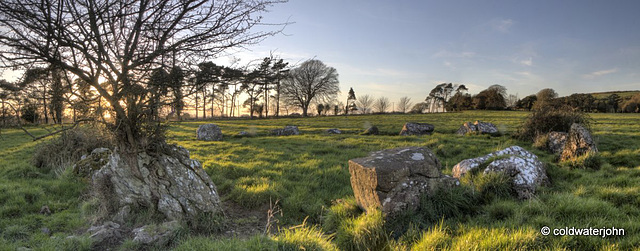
<point>307,178</point>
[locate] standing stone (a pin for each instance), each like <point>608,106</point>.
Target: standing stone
<point>556,141</point>
<point>209,132</point>
<point>526,171</point>
<point>578,143</point>
<point>373,130</point>
<point>411,128</point>
<point>170,182</point>
<point>394,179</point>
<point>286,131</point>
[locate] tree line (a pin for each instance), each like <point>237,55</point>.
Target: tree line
<point>207,90</point>
<point>455,97</point>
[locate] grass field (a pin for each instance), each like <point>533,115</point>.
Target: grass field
<point>308,175</point>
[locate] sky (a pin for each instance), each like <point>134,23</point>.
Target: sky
<point>405,48</point>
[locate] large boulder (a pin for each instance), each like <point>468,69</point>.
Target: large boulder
<point>394,179</point>
<point>478,127</point>
<point>286,131</point>
<point>579,143</point>
<point>209,132</point>
<point>170,182</point>
<point>556,141</point>
<point>526,171</point>
<point>411,128</point>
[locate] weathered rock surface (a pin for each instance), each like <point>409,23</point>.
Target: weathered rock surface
<point>411,128</point>
<point>579,142</point>
<point>373,130</point>
<point>334,131</point>
<point>108,232</point>
<point>209,132</point>
<point>170,182</point>
<point>467,128</point>
<point>286,131</point>
<point>556,141</point>
<point>394,179</point>
<point>527,171</point>
<point>478,127</point>
<point>153,235</point>
<point>486,127</point>
<point>91,163</point>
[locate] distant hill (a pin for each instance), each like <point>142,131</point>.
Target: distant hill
<point>623,94</point>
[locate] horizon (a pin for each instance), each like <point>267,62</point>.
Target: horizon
<point>401,49</point>
<point>396,49</point>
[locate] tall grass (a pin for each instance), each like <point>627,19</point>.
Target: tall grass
<point>308,174</point>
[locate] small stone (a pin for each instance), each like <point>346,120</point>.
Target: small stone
<point>373,130</point>
<point>286,131</point>
<point>45,210</point>
<point>155,235</point>
<point>334,131</point>
<point>107,232</point>
<point>478,127</point>
<point>209,132</point>
<point>412,128</point>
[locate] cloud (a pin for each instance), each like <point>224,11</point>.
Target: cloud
<point>372,72</point>
<point>527,62</point>
<point>448,54</point>
<point>596,74</point>
<point>501,25</point>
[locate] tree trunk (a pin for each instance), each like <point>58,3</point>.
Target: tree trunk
<point>204,103</point>
<point>212,101</point>
<point>44,102</point>
<point>4,122</point>
<point>266,101</point>
<point>196,105</point>
<point>305,107</point>
<point>223,104</point>
<point>278,99</point>
<point>251,107</point>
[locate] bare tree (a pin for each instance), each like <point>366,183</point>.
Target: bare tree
<point>382,104</point>
<point>312,80</point>
<point>122,41</point>
<point>404,104</point>
<point>364,103</point>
